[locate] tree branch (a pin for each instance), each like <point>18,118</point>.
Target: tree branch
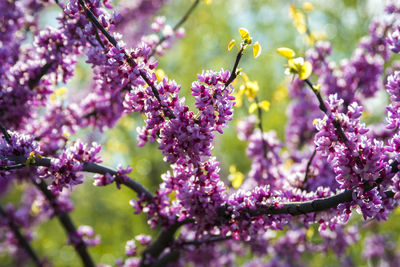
<point>92,168</point>
<point>301,208</point>
<point>68,225</point>
<point>180,22</point>
<point>308,166</point>
<point>167,258</point>
<point>163,241</point>
<point>320,204</point>
<point>5,134</point>
<point>210,239</point>
<point>43,71</point>
<point>233,72</point>
<point>23,242</point>
<point>260,120</point>
<point>322,106</point>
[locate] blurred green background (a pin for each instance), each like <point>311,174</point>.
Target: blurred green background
<point>208,32</point>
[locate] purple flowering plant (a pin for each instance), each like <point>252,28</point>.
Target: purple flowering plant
<point>330,167</point>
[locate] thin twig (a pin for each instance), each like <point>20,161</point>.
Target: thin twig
<point>322,106</point>
<point>179,24</point>
<point>22,240</point>
<point>98,37</point>
<point>68,225</point>
<point>260,120</point>
<point>309,165</point>
<point>187,14</point>
<point>5,134</point>
<point>233,72</point>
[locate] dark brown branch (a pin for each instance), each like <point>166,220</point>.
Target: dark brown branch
<point>260,120</point>
<point>5,134</point>
<point>32,83</point>
<point>23,242</point>
<point>92,168</point>
<point>98,37</point>
<point>171,256</point>
<point>12,167</point>
<point>309,165</point>
<point>320,204</point>
<point>322,106</point>
<point>179,24</point>
<point>233,73</point>
<point>187,14</point>
<point>301,208</point>
<point>68,225</point>
<point>163,241</point>
<point>211,239</point>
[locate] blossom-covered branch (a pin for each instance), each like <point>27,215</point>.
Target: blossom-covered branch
<point>91,168</point>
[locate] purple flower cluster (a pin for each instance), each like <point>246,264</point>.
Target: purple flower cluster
<point>53,128</point>
<point>63,170</point>
<point>393,88</point>
<point>266,166</point>
<point>86,233</point>
<point>106,179</point>
<point>356,158</point>
<point>393,41</point>
<point>187,137</point>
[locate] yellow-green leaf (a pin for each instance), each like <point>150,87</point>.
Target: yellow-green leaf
<point>237,180</point>
<point>256,49</point>
<point>232,169</point>
<point>244,33</point>
<point>251,89</point>
<point>231,44</point>
<point>245,77</point>
<point>305,70</point>
<point>317,87</point>
<point>60,91</point>
<point>264,105</point>
<point>253,107</point>
<point>310,233</point>
<point>308,6</point>
<point>235,176</point>
<point>286,52</point>
<point>160,73</point>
